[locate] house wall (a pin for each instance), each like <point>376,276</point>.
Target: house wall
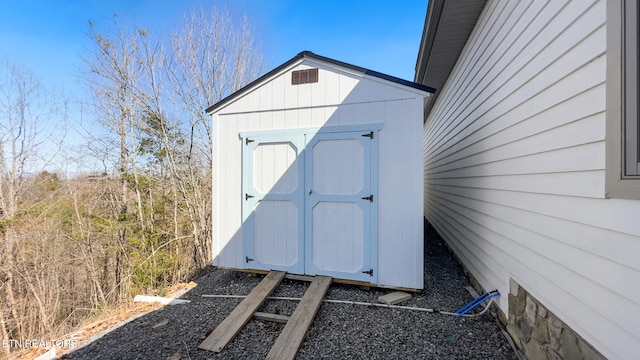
<point>514,165</point>
<point>340,97</point>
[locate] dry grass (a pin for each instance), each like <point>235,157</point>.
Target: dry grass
<point>96,326</point>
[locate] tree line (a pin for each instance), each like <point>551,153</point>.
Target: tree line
<point>74,246</point>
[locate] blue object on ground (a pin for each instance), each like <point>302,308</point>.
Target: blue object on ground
<point>477,301</point>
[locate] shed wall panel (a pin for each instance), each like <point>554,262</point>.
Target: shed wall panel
<point>227,219</point>
<point>514,169</point>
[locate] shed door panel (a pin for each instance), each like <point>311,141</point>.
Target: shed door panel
<point>337,237</point>
<point>273,203</point>
<point>338,211</point>
<point>306,207</point>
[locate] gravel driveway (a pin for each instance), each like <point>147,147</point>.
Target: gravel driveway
<point>340,331</point>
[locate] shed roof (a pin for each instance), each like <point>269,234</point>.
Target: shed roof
<point>447,27</point>
<point>310,55</point>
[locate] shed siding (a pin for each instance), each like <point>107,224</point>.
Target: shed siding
<point>514,162</point>
<point>339,98</point>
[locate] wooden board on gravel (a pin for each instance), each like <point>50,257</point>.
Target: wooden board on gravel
<point>232,324</point>
<point>290,340</point>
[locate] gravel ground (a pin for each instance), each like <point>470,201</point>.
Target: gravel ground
<point>339,331</point>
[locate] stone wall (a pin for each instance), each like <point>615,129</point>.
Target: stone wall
<point>540,334</point>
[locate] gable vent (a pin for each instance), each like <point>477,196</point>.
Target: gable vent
<point>304,76</point>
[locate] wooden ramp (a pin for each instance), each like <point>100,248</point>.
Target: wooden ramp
<point>232,324</point>
<point>290,340</point>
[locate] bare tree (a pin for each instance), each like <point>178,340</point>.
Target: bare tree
<point>210,58</point>
<point>150,93</point>
<point>81,244</point>
<point>113,74</point>
<point>25,109</point>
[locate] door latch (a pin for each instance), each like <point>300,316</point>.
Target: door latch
<point>370,272</point>
<point>370,198</point>
<point>247,196</point>
<point>248,259</point>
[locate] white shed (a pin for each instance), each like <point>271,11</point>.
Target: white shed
<point>317,170</point>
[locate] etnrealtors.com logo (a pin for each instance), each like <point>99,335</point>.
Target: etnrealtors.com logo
<point>37,343</point>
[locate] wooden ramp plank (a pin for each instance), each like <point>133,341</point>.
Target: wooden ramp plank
<point>290,340</point>
<point>232,324</point>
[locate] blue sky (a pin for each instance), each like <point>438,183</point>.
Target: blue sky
<point>48,37</point>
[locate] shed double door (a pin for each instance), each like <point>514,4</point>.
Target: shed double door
<point>309,202</point>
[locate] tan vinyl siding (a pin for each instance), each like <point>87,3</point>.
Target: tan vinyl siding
<point>515,169</point>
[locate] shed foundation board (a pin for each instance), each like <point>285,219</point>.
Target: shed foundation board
<point>309,278</point>
<point>394,298</point>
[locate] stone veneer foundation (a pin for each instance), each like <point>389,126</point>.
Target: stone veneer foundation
<point>540,334</point>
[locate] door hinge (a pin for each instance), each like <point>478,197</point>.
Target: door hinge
<point>370,272</point>
<point>247,141</point>
<point>247,196</point>
<point>369,135</point>
<point>370,198</point>
<point>248,259</point>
